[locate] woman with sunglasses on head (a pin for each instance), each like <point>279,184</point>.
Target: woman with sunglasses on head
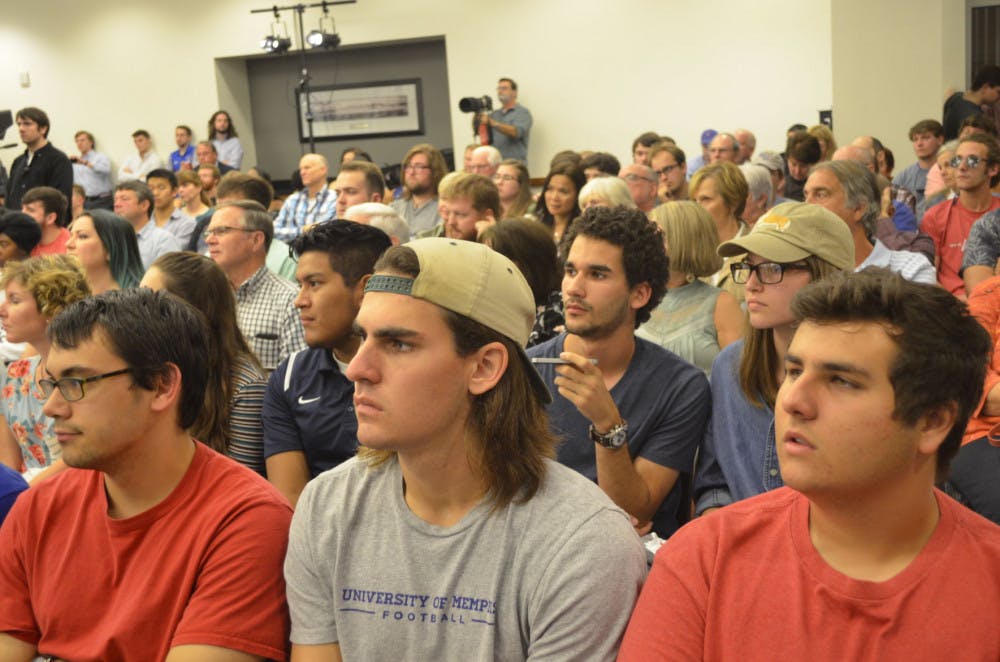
<point>37,290</point>
<point>791,246</point>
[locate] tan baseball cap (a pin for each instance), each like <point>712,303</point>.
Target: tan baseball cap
<point>793,231</point>
<point>473,280</point>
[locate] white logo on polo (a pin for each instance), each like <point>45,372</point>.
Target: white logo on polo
<point>303,401</point>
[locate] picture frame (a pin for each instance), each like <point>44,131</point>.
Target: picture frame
<point>377,109</point>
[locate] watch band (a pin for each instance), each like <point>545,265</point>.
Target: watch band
<point>613,438</point>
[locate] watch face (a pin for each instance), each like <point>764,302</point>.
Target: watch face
<point>614,438</point>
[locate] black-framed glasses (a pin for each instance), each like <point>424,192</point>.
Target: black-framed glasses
<point>768,273</point>
<point>666,170</point>
<point>972,161</point>
<point>71,388</point>
<point>223,230</point>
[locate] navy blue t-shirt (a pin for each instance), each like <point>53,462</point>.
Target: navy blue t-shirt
<point>309,407</point>
<point>666,402</point>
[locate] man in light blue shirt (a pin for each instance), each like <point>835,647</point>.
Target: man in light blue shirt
<point>92,171</point>
<point>134,203</point>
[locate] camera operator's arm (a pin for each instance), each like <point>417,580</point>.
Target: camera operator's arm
<point>509,130</point>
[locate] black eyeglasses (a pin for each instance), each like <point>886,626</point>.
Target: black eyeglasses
<point>972,161</point>
<point>71,388</point>
<point>666,170</point>
<point>768,273</point>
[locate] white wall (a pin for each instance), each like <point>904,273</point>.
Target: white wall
<point>594,73</point>
<point>892,61</point>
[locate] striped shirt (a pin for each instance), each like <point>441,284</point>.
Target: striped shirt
<point>246,436</point>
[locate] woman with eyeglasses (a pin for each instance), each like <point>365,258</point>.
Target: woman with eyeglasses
<point>791,246</point>
<point>515,189</point>
<point>107,249</point>
<point>37,290</point>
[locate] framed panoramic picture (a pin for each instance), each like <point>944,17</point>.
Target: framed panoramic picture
<point>386,108</point>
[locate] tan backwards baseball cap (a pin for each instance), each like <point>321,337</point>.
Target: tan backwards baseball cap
<point>793,231</point>
<point>473,280</point>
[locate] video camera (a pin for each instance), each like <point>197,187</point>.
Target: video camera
<point>476,104</point>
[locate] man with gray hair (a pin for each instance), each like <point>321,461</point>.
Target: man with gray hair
<point>642,184</point>
<point>724,147</point>
<point>761,196</point>
<point>485,160</point>
<point>239,236</point>
<point>776,168</point>
<point>851,192</point>
<point>747,144</point>
<point>380,216</point>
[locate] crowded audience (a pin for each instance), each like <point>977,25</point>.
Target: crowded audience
<point>601,393</point>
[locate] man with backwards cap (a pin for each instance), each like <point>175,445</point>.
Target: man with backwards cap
<point>453,534</point>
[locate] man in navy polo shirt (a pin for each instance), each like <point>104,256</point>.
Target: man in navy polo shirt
<point>308,414</point>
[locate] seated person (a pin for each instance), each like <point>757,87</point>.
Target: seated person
<point>36,291</point>
<point>694,320</point>
<point>497,544</point>
<point>315,202</point>
<point>859,556</point>
<point>146,520</point>
<point>308,412</point>
<point>791,246</point>
<point>629,412</point>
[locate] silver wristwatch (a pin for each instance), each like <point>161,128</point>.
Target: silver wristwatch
<point>613,438</point>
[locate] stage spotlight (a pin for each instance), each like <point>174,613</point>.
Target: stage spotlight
<point>275,44</point>
<point>319,39</point>
<point>325,36</point>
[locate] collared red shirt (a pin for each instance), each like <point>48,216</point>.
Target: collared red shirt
<point>95,178</point>
<point>309,407</point>
<point>299,211</point>
<point>266,315</point>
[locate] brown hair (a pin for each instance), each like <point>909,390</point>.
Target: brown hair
<point>202,283</point>
<point>942,350</point>
<point>508,422</point>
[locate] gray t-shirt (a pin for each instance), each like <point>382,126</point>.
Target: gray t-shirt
<point>554,578</point>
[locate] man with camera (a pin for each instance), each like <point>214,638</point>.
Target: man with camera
<point>510,124</point>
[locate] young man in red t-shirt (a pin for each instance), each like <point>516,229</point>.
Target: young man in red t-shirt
<point>977,169</point>
<point>151,546</point>
<point>858,556</point>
